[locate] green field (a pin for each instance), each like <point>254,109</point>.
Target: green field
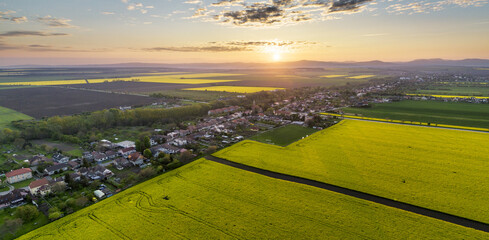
<point>440,169</point>
<point>8,115</point>
<point>480,90</point>
<point>194,95</point>
<point>283,136</point>
<point>453,113</point>
<point>207,200</point>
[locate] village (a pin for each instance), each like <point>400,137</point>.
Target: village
<point>58,181</point>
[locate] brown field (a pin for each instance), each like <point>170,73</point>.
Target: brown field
<point>51,101</point>
<point>133,87</point>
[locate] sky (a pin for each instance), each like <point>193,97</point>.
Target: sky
<point>61,32</point>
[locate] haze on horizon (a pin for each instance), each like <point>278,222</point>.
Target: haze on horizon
<point>172,31</point>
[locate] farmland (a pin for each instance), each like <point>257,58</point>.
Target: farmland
<point>452,113</point>
<point>50,101</point>
<point>361,76</point>
<point>177,79</point>
<point>438,169</point>
<point>8,115</point>
<point>234,89</point>
<point>283,136</point>
<point>213,201</point>
<point>479,91</point>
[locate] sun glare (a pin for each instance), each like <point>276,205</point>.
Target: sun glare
<point>276,57</point>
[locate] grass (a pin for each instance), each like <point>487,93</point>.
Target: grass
<point>208,200</point>
<point>440,169</point>
<point>234,89</point>
<point>452,113</point>
<point>283,136</point>
<point>26,227</point>
<point>455,90</point>
<point>197,78</point>
<point>76,152</point>
<point>22,184</point>
<point>8,115</point>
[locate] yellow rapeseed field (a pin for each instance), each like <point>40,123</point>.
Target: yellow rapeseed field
<point>361,76</point>
<point>236,89</point>
<point>207,200</point>
<point>333,76</point>
<point>445,96</point>
<point>440,169</point>
<point>171,78</point>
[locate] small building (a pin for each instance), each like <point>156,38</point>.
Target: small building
<point>136,158</point>
<point>18,175</point>
<point>37,187</point>
<point>126,144</point>
<point>99,194</point>
<point>56,168</point>
<point>126,151</point>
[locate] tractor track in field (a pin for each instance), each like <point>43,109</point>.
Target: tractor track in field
<point>465,222</point>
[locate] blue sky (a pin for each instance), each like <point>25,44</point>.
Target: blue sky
<point>110,31</point>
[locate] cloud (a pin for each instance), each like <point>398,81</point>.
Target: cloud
<point>347,5</point>
<point>431,6</point>
<point>244,13</point>
<point>30,33</point>
<point>108,13</point>
<point>193,2</point>
<point>138,6</point>
<point>45,48</point>
<point>198,49</point>
<point>236,46</point>
<point>56,22</point>
<point>7,16</point>
<point>268,12</point>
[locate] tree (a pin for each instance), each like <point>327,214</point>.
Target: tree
<point>81,201</point>
<point>27,213</point>
<point>69,181</point>
<point>211,150</point>
<point>54,213</point>
<point>146,142</point>
<point>139,146</point>
<point>59,187</point>
<point>147,173</point>
<point>147,153</point>
<point>185,156</point>
<point>10,226</point>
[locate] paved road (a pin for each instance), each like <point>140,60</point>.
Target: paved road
<point>361,195</point>
<point>10,189</point>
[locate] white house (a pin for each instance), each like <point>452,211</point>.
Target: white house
<point>18,175</point>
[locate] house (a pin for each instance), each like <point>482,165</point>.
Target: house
<point>135,158</point>
<point>166,148</point>
<point>111,154</point>
<point>179,142</point>
<point>38,159</point>
<point>99,157</point>
<point>126,151</point>
<point>16,197</point>
<point>126,144</point>
<point>18,175</point>
<point>121,163</point>
<point>56,168</point>
<point>36,187</point>
<point>74,164</point>
<point>87,156</point>
<point>60,158</point>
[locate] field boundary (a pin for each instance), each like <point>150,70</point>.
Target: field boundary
<point>407,122</point>
<point>465,222</point>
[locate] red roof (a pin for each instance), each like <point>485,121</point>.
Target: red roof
<point>18,172</point>
<point>39,182</point>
